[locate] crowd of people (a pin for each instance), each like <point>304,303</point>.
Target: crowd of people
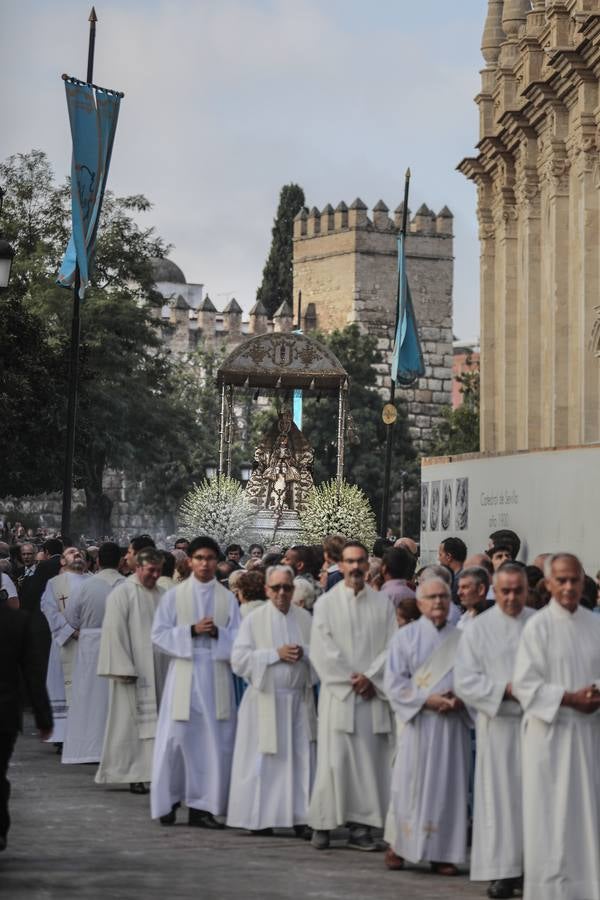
<point>317,688</point>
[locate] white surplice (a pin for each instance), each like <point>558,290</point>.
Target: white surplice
<point>272,789</point>
<point>559,651</point>
<point>88,709</point>
<point>192,759</point>
<point>62,648</point>
<point>484,666</point>
<point>136,676</point>
<point>430,780</point>
<point>350,634</point>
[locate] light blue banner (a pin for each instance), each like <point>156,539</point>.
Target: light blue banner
<point>93,115</point>
<point>407,358</point>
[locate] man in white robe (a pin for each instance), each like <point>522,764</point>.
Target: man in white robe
<point>430,781</point>
<point>196,625</point>
<point>482,679</point>
<point>556,679</point>
<point>84,611</point>
<point>63,648</point>
<point>135,673</point>
<point>352,628</point>
<point>273,760</point>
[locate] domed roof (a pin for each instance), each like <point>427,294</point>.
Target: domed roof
<point>164,269</point>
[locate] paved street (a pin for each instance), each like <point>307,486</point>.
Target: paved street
<point>71,838</point>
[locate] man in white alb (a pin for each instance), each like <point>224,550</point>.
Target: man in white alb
<point>482,679</point>
<point>428,813</point>
<point>196,625</point>
<point>352,628</point>
<point>64,637</point>
<point>273,761</point>
<point>84,611</point>
<point>556,680</point>
<point>135,673</point>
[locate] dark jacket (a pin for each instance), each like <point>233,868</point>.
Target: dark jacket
<point>18,657</point>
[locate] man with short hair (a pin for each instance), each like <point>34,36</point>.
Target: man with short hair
<point>195,625</point>
<point>428,811</point>
<point>397,567</point>
<point>506,537</point>
<point>233,554</point>
<point>500,554</point>
<point>140,542</point>
<point>181,544</point>
<point>84,612</point>
<point>273,761</point>
<point>136,676</point>
<point>555,680</point>
<point>352,628</point>
<point>452,553</point>
<point>483,675</point>
<point>63,649</point>
<point>473,586</point>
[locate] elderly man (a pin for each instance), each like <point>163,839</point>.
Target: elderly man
<point>63,649</point>
<point>84,611</point>
<point>556,678</point>
<point>473,586</point>
<point>274,756</point>
<point>428,814</point>
<point>352,628</point>
<point>136,676</point>
<point>195,625</point>
<point>482,677</point>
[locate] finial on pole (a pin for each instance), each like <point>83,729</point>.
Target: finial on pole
<point>90,63</point>
<point>93,17</point>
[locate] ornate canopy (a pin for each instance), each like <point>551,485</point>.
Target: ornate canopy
<point>283,361</point>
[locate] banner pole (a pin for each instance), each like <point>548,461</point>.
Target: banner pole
<point>65,526</point>
<point>389,438</point>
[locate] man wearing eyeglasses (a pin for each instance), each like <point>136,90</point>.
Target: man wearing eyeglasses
<point>273,762</point>
<point>196,624</point>
<point>352,628</point>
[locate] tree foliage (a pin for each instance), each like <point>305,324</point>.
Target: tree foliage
<point>459,431</point>
<point>277,279</point>
<point>129,407</point>
<point>366,434</point>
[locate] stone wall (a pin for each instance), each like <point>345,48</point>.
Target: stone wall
<point>345,266</point>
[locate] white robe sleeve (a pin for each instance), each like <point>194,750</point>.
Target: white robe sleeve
<point>59,627</point>
<point>223,644</point>
<point>471,681</point>
<point>406,699</point>
<point>115,659</point>
<point>247,661</point>
<point>173,639</point>
<point>326,657</point>
<point>73,608</point>
<point>536,695</point>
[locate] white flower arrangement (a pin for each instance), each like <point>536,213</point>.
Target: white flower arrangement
<point>219,508</point>
<point>330,509</point>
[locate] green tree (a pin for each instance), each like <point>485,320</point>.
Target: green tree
<point>365,440</point>
<point>277,279</point>
<point>129,406</point>
<point>459,430</point>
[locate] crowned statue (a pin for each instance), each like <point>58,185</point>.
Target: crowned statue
<point>282,469</point>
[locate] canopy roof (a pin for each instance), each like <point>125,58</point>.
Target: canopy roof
<point>281,360</point>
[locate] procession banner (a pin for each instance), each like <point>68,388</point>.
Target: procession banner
<point>407,358</point>
<point>93,114</point>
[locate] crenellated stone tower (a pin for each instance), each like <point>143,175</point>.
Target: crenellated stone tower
<point>345,265</point>
<point>538,180</point>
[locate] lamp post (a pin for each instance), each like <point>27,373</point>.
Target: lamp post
<point>7,254</point>
<point>210,470</point>
<point>246,471</point>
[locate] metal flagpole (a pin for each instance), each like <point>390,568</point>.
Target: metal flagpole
<point>390,412</point>
<point>74,352</point>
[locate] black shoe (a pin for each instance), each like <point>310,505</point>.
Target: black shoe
<point>262,832</point>
<point>138,787</point>
<point>517,884</point>
<point>171,817</point>
<point>501,888</point>
<point>199,818</point>
<point>57,749</point>
<point>2,842</point>
<point>362,840</point>
<point>303,832</point>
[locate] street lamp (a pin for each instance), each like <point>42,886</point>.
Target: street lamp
<point>246,471</point>
<point>7,254</point>
<point>211,470</point>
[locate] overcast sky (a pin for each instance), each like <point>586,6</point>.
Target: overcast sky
<point>227,101</point>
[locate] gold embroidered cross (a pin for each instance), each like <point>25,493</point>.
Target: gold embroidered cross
<point>406,830</point>
<point>430,829</point>
<point>423,681</point>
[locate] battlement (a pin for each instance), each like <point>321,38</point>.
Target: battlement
<point>314,223</point>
